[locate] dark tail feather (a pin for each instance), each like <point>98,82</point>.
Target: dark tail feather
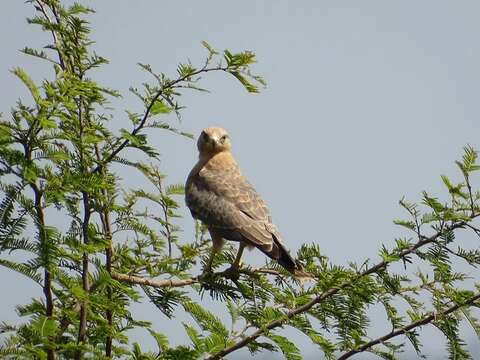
<point>282,256</point>
<point>301,274</point>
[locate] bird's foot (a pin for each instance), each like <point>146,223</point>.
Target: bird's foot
<point>206,272</point>
<point>232,272</point>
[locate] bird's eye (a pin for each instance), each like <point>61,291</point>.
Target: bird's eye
<point>204,135</point>
<point>223,138</point>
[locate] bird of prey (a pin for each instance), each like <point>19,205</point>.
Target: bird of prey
<point>220,197</point>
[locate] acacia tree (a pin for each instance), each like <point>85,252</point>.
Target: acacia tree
<point>59,159</point>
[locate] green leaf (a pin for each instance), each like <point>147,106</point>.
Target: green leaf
<point>243,80</point>
<point>205,319</point>
<point>47,123</point>
<point>287,347</point>
<point>408,224</point>
<point>175,189</point>
<point>23,269</point>
<point>186,70</point>
<point>161,339</point>
<point>210,49</point>
<point>136,140</point>
<point>433,203</point>
<point>388,256</point>
<point>166,126</point>
<point>159,107</point>
<point>194,336</point>
<point>239,60</point>
<point>30,173</point>
<point>27,80</point>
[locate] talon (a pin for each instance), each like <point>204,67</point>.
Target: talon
<point>206,270</point>
<point>232,273</point>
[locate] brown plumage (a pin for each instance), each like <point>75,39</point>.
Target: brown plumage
<point>219,195</point>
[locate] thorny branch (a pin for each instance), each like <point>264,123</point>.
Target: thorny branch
<point>424,321</point>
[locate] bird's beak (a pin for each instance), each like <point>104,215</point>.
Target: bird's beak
<point>213,142</point>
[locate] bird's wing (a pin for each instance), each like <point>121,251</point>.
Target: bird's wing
<point>225,200</point>
<point>232,185</point>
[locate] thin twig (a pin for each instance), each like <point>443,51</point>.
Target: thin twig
<point>475,229</point>
<point>165,209</point>
<point>424,321</point>
<point>54,35</point>
<point>146,115</point>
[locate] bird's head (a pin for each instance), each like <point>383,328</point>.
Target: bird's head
<point>213,140</point>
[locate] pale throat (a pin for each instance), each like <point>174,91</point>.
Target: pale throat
<point>222,158</point>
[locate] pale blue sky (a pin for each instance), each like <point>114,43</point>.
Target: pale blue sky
<point>367,101</point>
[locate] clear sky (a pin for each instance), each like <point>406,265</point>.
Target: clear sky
<point>367,101</point>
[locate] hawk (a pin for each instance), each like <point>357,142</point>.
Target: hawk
<point>220,197</point>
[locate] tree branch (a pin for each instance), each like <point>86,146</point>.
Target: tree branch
<point>330,292</point>
<point>47,285</point>
<point>137,280</point>
<point>108,262</point>
<point>107,229</point>
<point>146,115</point>
<point>82,329</point>
<point>41,7</point>
<point>424,321</point>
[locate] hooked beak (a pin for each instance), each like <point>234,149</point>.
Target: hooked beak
<point>213,142</point>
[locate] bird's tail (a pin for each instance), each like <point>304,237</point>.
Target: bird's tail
<point>281,254</point>
<point>301,274</point>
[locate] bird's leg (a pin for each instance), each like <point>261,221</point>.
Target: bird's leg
<point>217,243</point>
<point>236,263</point>
<point>232,271</point>
<point>208,267</point>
